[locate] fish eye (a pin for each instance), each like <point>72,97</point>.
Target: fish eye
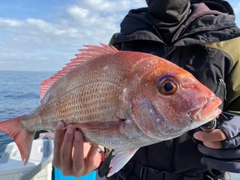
<point>167,87</point>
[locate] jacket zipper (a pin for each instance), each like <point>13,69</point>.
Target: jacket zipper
<point>221,84</point>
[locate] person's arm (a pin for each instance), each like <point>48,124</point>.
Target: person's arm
<point>222,146</point>
<point>72,155</point>
<point>232,103</point>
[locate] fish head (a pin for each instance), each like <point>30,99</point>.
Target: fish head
<point>169,101</point>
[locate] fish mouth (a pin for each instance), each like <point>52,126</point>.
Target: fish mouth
<point>207,112</point>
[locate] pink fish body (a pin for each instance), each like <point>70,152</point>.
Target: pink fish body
<point>119,99</point>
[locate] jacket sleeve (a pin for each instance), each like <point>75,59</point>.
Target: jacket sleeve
<point>232,79</point>
<point>232,103</point>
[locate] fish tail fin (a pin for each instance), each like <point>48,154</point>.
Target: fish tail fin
<point>22,137</point>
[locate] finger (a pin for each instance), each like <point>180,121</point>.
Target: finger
<point>213,144</point>
<point>92,151</point>
<point>215,135</point>
<point>220,153</point>
<point>78,159</point>
<point>93,158</point>
<point>58,139</point>
<point>66,151</point>
<point>221,165</point>
<point>232,143</point>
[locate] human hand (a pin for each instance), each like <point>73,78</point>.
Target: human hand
<point>212,139</point>
<point>221,146</point>
<point>71,155</point>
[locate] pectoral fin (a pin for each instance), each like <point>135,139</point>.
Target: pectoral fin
<point>120,158</point>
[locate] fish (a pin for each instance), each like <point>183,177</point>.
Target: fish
<point>122,100</point>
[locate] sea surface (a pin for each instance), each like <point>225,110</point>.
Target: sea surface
<point>19,95</point>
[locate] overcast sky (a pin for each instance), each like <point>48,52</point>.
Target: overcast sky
<point>43,35</point>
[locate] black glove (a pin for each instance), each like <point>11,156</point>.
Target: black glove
<point>227,158</point>
<point>221,159</point>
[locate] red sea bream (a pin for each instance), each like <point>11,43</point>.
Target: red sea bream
<point>119,99</point>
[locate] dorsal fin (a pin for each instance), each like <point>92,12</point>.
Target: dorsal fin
<point>90,52</point>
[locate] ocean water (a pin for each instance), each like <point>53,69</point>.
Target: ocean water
<point>19,95</point>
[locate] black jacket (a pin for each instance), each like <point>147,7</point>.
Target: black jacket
<point>207,45</point>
